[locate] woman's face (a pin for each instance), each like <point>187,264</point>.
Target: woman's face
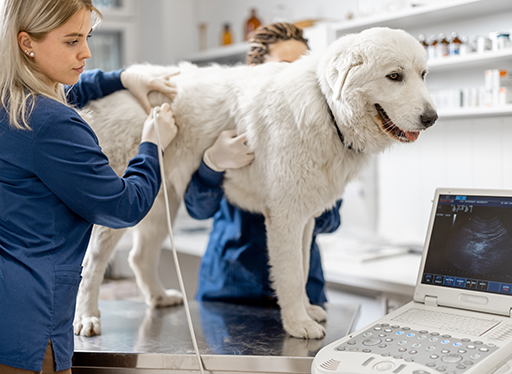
<point>61,55</point>
<point>285,51</point>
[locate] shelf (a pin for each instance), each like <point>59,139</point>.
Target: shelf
<point>229,53</point>
<point>426,15</point>
<point>488,60</point>
<point>475,112</point>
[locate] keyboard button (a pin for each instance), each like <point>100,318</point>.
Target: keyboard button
<point>452,358</point>
<point>371,341</point>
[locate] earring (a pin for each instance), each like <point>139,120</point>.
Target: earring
<point>31,54</point>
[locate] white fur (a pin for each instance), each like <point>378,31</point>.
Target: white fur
<point>300,166</point>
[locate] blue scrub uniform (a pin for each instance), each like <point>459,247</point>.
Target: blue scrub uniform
<point>235,267</point>
<point>55,183</point>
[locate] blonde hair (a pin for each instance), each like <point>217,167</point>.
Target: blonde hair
<point>264,36</point>
<point>20,78</point>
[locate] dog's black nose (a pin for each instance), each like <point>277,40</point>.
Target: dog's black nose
<point>428,118</point>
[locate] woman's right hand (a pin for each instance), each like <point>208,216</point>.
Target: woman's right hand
<point>166,126</point>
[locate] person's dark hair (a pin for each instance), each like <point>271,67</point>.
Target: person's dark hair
<point>266,35</point>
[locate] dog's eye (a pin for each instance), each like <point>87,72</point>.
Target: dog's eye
<point>395,77</point>
<point>423,74</point>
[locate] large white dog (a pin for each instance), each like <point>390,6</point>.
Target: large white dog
<point>313,125</point>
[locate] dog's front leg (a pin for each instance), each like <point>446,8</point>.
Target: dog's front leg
<point>101,246</point>
<point>284,237</point>
<point>314,311</point>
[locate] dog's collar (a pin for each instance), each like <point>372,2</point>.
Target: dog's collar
<point>340,135</point>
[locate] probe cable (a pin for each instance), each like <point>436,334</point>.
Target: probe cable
<point>156,110</point>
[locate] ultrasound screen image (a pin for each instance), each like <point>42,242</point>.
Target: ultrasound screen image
<point>471,244</point>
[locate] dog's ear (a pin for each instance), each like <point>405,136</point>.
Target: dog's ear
<point>337,84</point>
<point>338,64</point>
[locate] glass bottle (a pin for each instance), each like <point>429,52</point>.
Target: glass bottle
<point>251,24</point>
<point>423,41</point>
<point>227,38</point>
<point>454,46</point>
<point>442,46</point>
<point>465,47</point>
<point>432,48</point>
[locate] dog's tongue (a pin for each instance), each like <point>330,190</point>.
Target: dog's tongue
<point>412,135</point>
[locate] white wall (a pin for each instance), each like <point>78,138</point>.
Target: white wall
<point>217,12</point>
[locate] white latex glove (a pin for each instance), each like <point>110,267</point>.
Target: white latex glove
<point>141,84</point>
<point>228,152</point>
<point>166,126</point>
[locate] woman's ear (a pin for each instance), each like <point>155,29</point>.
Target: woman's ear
<point>25,42</point>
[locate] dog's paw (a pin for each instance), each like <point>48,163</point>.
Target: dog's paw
<point>87,326</point>
<point>307,329</point>
<point>317,313</point>
<point>171,297</point>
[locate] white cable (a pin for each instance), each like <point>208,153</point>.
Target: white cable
<point>156,110</point>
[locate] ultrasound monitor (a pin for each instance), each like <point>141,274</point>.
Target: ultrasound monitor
<point>470,246</point>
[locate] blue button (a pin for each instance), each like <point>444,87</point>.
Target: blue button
<point>410,335</point>
<point>445,341</point>
<point>456,344</point>
<point>399,332</point>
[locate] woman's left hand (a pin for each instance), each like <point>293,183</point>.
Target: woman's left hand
<point>141,84</point>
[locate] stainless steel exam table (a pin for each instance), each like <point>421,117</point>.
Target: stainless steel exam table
<point>231,338</point>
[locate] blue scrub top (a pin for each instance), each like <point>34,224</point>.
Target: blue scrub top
<point>235,266</point>
<point>55,183</point>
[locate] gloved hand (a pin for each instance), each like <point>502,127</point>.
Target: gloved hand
<point>166,126</point>
<point>141,84</point>
<point>228,152</point>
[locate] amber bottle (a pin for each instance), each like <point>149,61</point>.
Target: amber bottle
<point>251,24</point>
<point>227,38</point>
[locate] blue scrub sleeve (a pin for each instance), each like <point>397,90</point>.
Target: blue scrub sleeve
<point>204,193</point>
<point>329,221</point>
<point>69,161</point>
<point>92,85</point>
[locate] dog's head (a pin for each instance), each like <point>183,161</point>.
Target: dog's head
<point>374,83</point>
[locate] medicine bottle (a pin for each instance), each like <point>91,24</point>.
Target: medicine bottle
<point>227,38</point>
<point>465,46</point>
<point>423,41</point>
<point>432,48</point>
<point>251,24</point>
<point>454,46</point>
<point>442,46</point>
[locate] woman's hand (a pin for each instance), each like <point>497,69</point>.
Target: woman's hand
<point>166,127</point>
<point>141,84</point>
<point>228,152</point>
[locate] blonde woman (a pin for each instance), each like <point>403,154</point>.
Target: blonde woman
<point>55,182</point>
<point>235,265</point>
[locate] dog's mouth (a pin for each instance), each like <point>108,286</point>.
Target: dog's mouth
<point>393,130</point>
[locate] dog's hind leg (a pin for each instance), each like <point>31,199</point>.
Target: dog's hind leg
<point>285,249</point>
<point>101,246</point>
<point>314,311</point>
<point>144,255</point>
